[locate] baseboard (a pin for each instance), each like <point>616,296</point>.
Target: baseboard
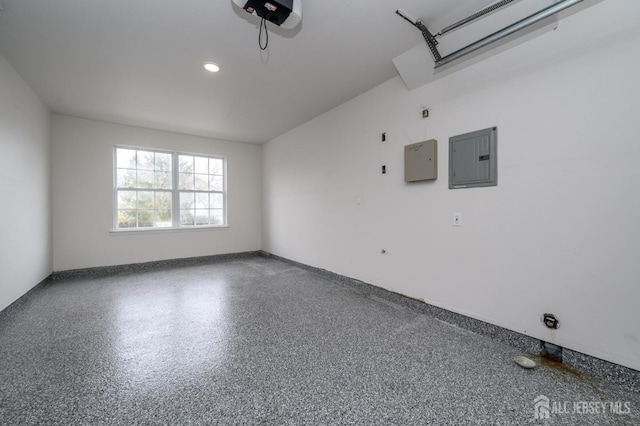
<point>577,361</point>
<point>148,266</point>
<point>24,298</point>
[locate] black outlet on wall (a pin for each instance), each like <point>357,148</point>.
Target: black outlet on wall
<point>550,321</point>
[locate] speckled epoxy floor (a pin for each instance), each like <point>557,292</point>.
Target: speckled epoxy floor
<point>259,341</point>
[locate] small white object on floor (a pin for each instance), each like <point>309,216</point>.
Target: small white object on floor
<point>524,362</point>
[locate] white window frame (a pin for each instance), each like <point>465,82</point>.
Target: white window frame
<point>175,191</point>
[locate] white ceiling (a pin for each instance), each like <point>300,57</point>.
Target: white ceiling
<point>139,62</point>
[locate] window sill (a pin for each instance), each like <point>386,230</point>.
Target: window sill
<point>166,230</point>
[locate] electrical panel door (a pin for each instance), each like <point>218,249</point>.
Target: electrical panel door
<point>421,161</point>
<point>473,159</point>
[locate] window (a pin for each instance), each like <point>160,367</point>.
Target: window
<point>201,190</point>
<point>159,189</point>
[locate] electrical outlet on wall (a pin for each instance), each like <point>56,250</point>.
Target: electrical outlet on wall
<point>457,219</point>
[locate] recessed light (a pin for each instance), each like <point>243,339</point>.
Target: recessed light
<point>211,67</point>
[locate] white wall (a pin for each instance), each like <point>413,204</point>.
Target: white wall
<point>560,232</point>
<point>25,190</point>
<point>83,197</point>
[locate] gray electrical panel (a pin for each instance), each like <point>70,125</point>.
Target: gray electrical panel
<point>421,161</point>
<point>473,159</point>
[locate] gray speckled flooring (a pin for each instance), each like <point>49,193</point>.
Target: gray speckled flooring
<point>259,341</point>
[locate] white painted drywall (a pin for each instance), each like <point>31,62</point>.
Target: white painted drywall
<point>25,189</point>
<point>83,197</point>
<point>560,232</point>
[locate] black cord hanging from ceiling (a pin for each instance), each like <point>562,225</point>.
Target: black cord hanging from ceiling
<point>263,26</point>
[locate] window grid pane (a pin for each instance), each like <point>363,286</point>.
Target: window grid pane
<point>144,208</point>
<point>201,190</point>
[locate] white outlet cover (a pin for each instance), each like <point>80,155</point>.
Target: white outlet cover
<point>457,219</point>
